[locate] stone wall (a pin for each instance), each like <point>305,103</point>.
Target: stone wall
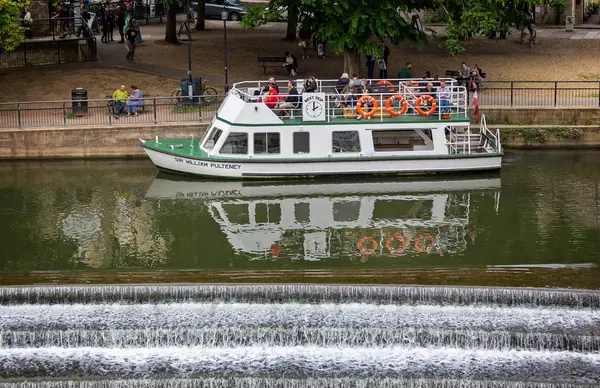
<point>549,116</point>
<point>550,137</point>
<point>95,142</point>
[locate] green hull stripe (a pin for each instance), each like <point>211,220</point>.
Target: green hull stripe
<point>325,160</point>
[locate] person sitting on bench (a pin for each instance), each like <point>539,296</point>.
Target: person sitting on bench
<point>135,100</point>
<point>310,85</point>
<point>291,100</point>
<point>291,64</point>
<point>120,99</point>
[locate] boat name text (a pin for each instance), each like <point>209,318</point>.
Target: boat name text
<point>215,193</point>
<point>225,166</point>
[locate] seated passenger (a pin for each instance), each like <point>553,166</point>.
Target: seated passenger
<point>135,100</point>
<point>272,98</point>
<point>291,100</point>
<point>291,64</point>
<point>443,98</point>
<point>310,85</point>
<point>342,82</point>
<point>365,90</point>
<point>428,90</point>
<point>349,96</point>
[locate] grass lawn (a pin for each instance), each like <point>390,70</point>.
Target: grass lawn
<point>57,83</point>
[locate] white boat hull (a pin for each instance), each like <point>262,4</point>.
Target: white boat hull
<point>363,166</point>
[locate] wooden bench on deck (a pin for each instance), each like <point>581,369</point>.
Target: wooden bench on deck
<point>269,62</point>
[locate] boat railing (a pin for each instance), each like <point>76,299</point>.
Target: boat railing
<point>493,136</point>
<point>459,142</point>
<point>342,104</point>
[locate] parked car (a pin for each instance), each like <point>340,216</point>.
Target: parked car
<point>212,9</point>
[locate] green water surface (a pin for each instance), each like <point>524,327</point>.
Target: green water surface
<point>534,223</point>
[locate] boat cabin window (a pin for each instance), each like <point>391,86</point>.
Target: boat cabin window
<point>267,143</point>
<point>212,138</point>
<point>402,140</point>
<point>301,142</point>
<point>345,141</point>
<point>236,143</point>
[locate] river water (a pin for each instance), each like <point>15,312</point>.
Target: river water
<point>535,223</point>
<point>113,276</point>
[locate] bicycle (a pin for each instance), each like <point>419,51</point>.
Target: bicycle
<point>207,94</point>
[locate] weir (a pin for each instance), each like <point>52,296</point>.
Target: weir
<point>308,293</point>
<point>294,335</point>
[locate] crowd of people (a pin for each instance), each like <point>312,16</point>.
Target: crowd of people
<point>349,90</point>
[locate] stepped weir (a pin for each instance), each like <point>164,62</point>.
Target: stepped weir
<point>293,335</point>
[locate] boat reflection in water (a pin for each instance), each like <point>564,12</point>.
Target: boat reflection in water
<point>316,220</point>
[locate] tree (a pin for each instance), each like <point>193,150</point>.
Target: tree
<point>357,27</point>
<point>354,27</point>
<point>466,18</point>
<point>200,19</point>
<point>11,33</point>
<point>171,27</point>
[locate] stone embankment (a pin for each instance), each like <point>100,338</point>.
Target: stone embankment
<point>519,127</point>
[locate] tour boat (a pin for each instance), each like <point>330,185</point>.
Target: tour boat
<point>398,128</point>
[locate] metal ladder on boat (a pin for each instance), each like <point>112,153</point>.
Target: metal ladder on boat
<point>467,142</point>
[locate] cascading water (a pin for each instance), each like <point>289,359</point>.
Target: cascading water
<point>288,336</point>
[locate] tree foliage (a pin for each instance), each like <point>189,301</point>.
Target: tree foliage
<point>357,27</point>
<point>11,32</point>
<point>466,18</point>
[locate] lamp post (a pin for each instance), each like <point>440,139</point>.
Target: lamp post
<point>189,47</point>
<point>224,17</point>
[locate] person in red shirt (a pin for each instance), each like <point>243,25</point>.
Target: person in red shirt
<point>272,98</point>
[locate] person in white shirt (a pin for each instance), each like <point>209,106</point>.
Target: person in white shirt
<point>443,97</point>
<point>26,22</point>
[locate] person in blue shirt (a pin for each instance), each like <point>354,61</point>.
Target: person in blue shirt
<point>134,100</point>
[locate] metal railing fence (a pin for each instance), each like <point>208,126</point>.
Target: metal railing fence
<point>43,45</point>
<point>540,94</point>
<point>99,112</point>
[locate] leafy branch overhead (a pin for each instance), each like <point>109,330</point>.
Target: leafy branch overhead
<point>359,26</point>
<point>11,33</point>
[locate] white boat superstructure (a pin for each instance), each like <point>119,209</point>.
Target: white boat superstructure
<point>397,127</point>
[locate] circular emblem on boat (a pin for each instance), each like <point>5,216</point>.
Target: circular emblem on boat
<point>313,107</point>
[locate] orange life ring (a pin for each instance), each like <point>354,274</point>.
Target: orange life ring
<point>396,251</point>
<point>359,108</point>
<point>275,250</point>
<point>364,250</point>
<point>386,82</point>
<point>431,101</point>
<point>390,108</point>
<point>420,240</point>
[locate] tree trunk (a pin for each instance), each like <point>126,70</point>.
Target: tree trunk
<point>171,28</point>
<point>200,24</point>
<point>292,22</point>
<point>351,62</point>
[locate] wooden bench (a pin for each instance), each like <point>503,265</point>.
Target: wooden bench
<point>267,62</point>
<point>452,74</point>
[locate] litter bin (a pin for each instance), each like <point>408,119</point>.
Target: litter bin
<point>570,23</point>
<point>190,95</point>
<point>79,101</point>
